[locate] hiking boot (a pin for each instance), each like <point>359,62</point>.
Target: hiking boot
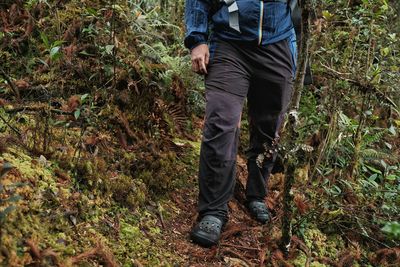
<point>259,211</point>
<point>207,232</point>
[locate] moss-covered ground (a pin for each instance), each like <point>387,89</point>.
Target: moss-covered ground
<point>56,221</point>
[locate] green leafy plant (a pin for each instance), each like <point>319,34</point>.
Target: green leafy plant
<point>392,229</point>
<point>53,48</point>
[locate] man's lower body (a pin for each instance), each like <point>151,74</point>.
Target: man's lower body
<point>238,71</point>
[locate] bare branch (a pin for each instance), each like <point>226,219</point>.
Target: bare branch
<point>362,86</point>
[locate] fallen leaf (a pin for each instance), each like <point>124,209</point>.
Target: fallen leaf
<point>22,84</point>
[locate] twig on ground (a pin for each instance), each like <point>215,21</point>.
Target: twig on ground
<point>159,209</point>
<point>35,109</point>
<point>10,83</point>
<point>240,247</point>
<point>360,233</point>
<point>38,255</point>
<point>351,242</point>
<point>100,252</point>
<point>261,255</point>
<point>238,255</point>
<point>85,255</point>
<point>34,250</point>
<point>11,127</point>
<point>235,230</point>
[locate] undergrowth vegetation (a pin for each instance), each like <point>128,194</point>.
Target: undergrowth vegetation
<point>100,118</point>
<point>93,96</point>
<point>350,117</point>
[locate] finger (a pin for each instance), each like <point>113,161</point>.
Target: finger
<point>195,66</point>
<point>207,58</point>
<point>198,68</point>
<point>203,67</point>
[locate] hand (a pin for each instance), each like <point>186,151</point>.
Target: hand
<point>200,58</point>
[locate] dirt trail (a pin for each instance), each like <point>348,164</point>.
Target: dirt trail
<point>244,242</point>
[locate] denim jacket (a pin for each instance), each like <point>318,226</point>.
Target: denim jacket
<point>261,23</point>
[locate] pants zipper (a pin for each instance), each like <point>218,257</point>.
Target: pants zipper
<point>260,26</point>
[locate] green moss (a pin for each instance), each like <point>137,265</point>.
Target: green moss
<point>29,168</point>
<point>321,244</point>
<point>301,260</point>
<point>163,173</point>
<point>91,171</point>
<point>129,232</point>
<point>137,239</point>
<point>195,151</point>
<point>51,214</point>
<point>127,191</point>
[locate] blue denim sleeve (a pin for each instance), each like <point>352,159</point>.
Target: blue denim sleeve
<point>196,20</point>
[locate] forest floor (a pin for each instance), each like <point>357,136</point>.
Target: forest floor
<point>244,242</point>
<point>103,134</point>
<point>56,223</point>
<point>98,217</point>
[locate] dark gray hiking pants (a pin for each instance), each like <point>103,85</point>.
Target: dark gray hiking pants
<point>237,70</point>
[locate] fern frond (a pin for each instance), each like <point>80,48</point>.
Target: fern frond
<point>178,116</point>
<point>372,154</point>
<point>173,114</point>
<point>369,139</point>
